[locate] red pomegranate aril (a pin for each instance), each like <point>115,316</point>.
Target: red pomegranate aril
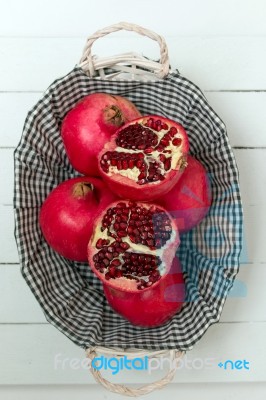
<point>124,164</point>
<point>149,150</point>
<point>119,165</point>
<point>115,263</point>
<point>167,164</point>
<point>177,141</point>
<point>131,164</point>
<point>164,142</point>
<point>173,131</point>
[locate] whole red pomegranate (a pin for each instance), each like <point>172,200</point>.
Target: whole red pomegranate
<point>145,158</point>
<point>90,124</point>
<point>190,199</point>
<point>132,245</point>
<point>68,213</point>
<point>152,306</point>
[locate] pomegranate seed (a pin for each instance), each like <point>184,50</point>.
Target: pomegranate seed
<point>148,150</point>
<point>164,142</point>
<point>173,131</point>
<point>122,234</point>
<point>112,272</point>
<point>167,164</point>
<point>118,273</point>
<point>99,244</point>
<point>149,123</point>
<point>125,246</point>
<point>109,256</point>
<point>160,147</point>
<point>177,141</point>
<point>130,230</point>
<point>142,175</point>
<point>124,164</point>
<point>131,164</point>
<point>115,263</point>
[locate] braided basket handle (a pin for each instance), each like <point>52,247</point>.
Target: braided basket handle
<point>174,356</point>
<point>90,63</point>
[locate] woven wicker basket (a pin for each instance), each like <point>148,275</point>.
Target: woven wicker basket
<point>69,294</point>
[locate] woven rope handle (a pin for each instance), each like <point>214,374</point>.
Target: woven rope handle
<point>175,357</point>
<point>90,64</point>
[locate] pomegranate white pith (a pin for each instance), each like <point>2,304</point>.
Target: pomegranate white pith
<point>145,158</point>
<point>133,245</point>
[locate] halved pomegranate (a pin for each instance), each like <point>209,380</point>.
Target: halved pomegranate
<point>132,245</point>
<point>190,199</point>
<point>145,158</point>
<point>152,306</point>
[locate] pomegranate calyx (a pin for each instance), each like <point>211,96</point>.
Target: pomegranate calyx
<point>114,115</point>
<point>81,189</point>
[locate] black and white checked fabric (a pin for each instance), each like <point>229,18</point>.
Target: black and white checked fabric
<point>69,294</point>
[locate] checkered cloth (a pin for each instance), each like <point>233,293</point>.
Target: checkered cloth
<point>70,295</point>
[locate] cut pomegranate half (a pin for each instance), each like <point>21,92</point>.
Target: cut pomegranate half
<point>133,245</point>
<point>145,158</point>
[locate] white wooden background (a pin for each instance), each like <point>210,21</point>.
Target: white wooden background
<point>221,46</point>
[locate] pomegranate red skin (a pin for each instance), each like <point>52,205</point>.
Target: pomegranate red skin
<point>127,188</point>
<point>90,124</point>
<point>67,215</point>
<point>153,306</point>
<point>190,199</point>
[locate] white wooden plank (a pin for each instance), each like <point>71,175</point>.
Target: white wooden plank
<point>39,354</point>
<point>174,17</point>
<point>212,62</point>
<point>243,114</point>
<point>13,109</point>
<point>18,304</point>
<point>219,391</point>
<point>8,245</point>
<point>6,176</point>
